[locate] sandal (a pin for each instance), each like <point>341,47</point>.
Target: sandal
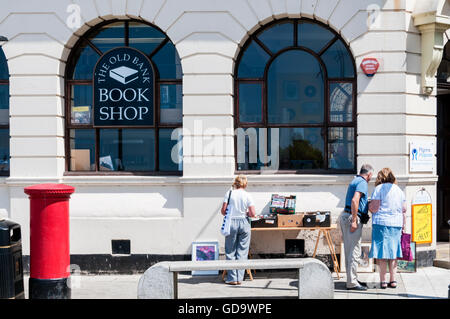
<point>393,284</point>
<point>383,285</point>
<point>233,283</point>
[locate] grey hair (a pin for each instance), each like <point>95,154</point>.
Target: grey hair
<point>366,169</point>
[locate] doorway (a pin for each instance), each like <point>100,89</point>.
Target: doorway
<point>443,167</point>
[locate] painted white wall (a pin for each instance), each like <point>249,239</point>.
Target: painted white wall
<point>164,215</point>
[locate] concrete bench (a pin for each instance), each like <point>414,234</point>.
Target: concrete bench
<point>161,280</point>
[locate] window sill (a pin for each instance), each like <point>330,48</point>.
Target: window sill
<point>341,180</point>
<point>122,178</point>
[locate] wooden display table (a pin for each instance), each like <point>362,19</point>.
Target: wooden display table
<point>322,230</point>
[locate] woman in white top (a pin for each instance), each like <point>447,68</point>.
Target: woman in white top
<point>238,242</point>
<point>388,209</point>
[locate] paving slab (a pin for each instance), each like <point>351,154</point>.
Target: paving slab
<point>426,283</point>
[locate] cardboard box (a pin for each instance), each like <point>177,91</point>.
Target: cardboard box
<point>264,222</point>
<point>290,220</point>
<point>80,160</point>
<point>280,204</point>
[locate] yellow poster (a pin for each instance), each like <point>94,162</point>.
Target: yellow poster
<point>422,223</point>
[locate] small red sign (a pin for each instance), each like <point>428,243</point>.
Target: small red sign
<point>370,66</point>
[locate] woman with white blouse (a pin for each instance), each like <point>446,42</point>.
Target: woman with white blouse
<point>388,208</point>
<point>237,243</point>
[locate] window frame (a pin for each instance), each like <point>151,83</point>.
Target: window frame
<point>326,125</point>
<point>6,126</point>
<point>157,124</point>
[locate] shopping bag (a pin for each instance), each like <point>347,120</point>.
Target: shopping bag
<point>225,229</point>
<point>406,247</point>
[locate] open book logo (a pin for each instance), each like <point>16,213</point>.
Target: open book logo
<point>123,74</point>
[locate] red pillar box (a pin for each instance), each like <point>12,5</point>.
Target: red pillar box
<point>49,241</point>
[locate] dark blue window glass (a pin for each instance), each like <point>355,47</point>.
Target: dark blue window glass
<point>4,104</point>
<point>301,148</point>
<point>295,89</point>
<point>170,150</point>
<point>138,149</point>
<point>4,114</point>
<point>86,63</point>
<point>81,104</point>
<point>4,74</point>
<point>443,73</point>
<point>278,37</point>
<point>294,148</point>
<point>4,150</point>
<point>250,102</point>
<point>252,144</point>
<point>341,102</point>
<point>127,150</point>
<point>144,37</point>
<point>171,99</point>
<point>338,61</point>
<point>110,36</point>
<point>253,62</point>
<point>82,150</point>
<point>313,36</point>
<point>168,62</point>
<point>341,148</point>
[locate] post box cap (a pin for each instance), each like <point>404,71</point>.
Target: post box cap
<point>50,189</point>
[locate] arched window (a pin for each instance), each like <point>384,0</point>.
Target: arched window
<point>295,106</point>
<point>4,115</point>
<point>135,149</point>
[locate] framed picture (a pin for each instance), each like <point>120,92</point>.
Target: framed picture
<point>81,114</point>
<point>408,266</point>
<point>365,264</point>
<point>206,250</point>
<point>106,163</point>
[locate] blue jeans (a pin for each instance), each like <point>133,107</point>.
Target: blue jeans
<point>237,245</point>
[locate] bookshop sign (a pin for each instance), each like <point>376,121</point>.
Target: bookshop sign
<point>123,89</point>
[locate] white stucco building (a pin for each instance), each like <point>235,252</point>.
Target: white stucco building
<point>198,49</point>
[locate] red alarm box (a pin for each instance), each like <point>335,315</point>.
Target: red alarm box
<point>370,66</point>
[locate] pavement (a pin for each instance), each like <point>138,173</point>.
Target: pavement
<point>426,283</point>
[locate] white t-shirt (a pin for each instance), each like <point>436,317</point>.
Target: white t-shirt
<point>240,201</point>
<point>391,199</point>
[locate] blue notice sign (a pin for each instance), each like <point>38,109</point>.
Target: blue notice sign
<point>124,89</point>
<point>422,156</point>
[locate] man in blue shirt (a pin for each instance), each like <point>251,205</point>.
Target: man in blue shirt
<point>356,204</point>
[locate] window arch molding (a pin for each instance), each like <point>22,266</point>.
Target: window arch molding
<point>151,153</point>
<point>337,128</point>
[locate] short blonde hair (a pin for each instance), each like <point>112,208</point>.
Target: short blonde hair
<point>385,176</point>
<point>240,182</point>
